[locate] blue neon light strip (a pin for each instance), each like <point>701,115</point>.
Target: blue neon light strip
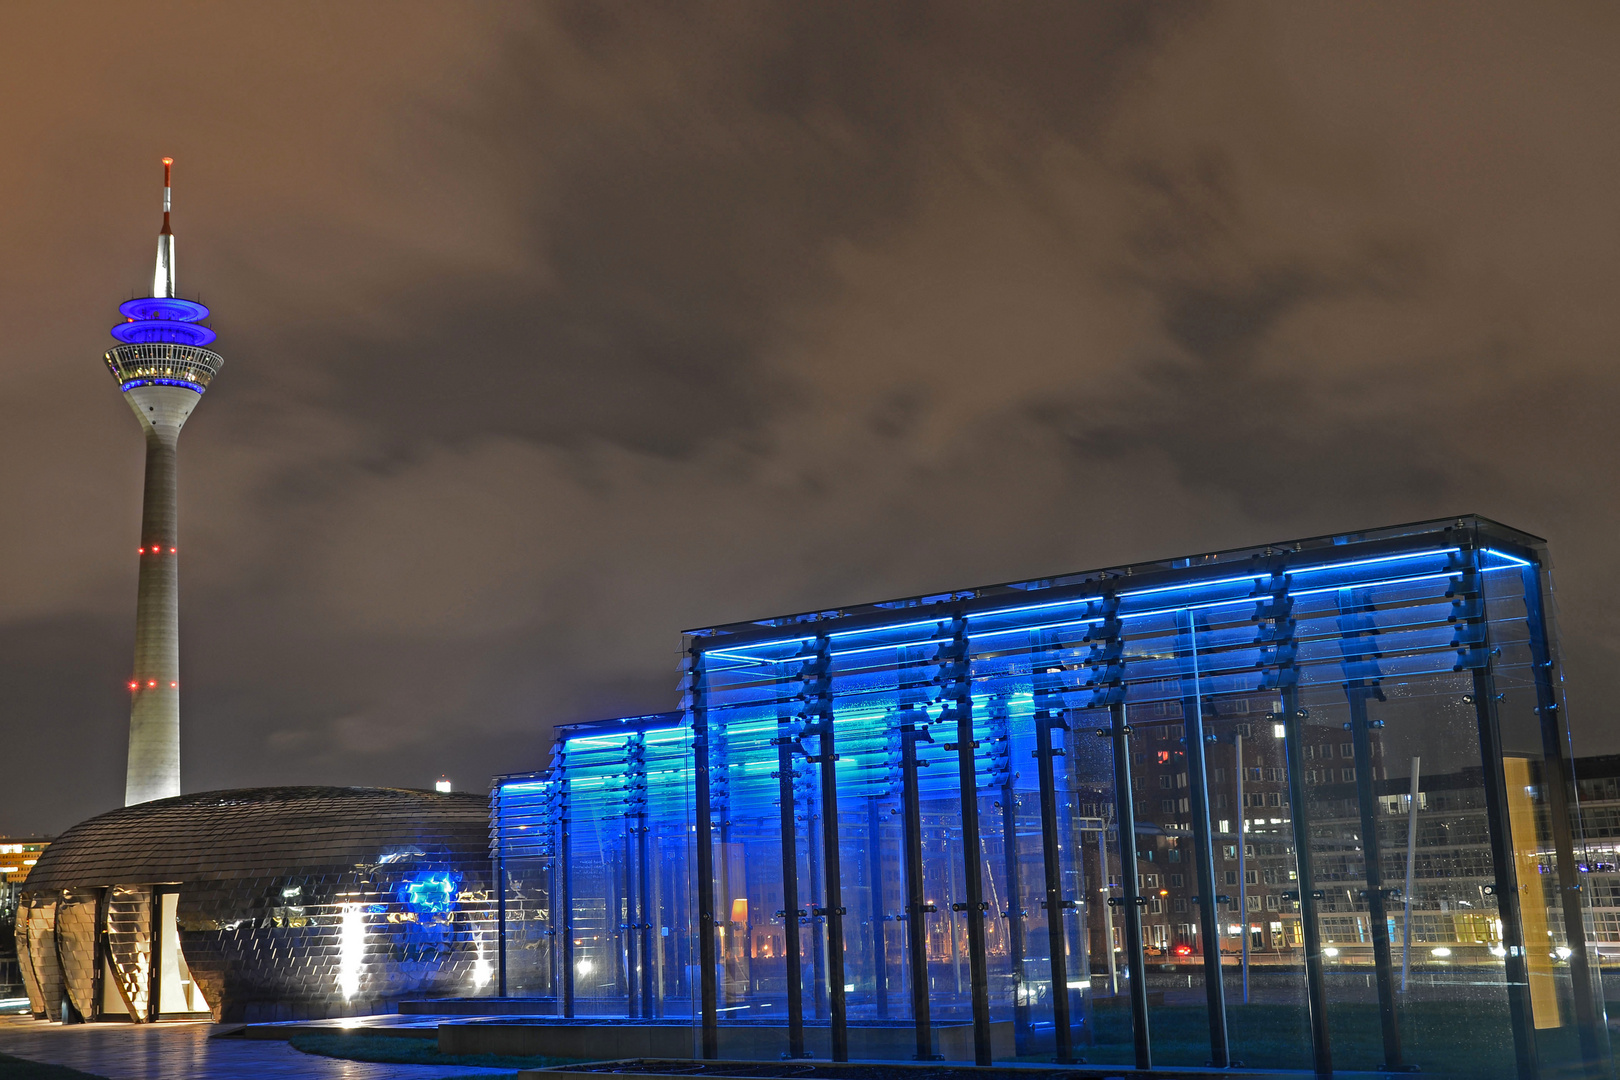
<point>1233,602</point>
<point>183,383</point>
<point>1348,564</point>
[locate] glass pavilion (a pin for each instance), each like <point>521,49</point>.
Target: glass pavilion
<point>1305,806</point>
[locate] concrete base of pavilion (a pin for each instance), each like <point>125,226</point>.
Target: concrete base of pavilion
<point>683,1069</point>
<point>621,1038</point>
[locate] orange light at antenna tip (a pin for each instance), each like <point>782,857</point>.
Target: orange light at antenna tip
<point>168,161</point>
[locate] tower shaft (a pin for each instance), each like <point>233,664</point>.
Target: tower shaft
<point>163,369</point>
<point>154,714</point>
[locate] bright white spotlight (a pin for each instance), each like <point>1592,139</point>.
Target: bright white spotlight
<point>351,950</point>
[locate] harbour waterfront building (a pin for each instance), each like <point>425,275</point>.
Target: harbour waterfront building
<point>163,367</point>
<point>1307,805</point>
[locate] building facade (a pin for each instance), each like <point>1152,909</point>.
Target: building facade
<point>1307,805</point>
<point>18,854</point>
<point>260,904</point>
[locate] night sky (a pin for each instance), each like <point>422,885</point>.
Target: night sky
<point>553,331</point>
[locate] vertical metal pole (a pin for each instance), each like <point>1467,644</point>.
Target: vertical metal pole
<point>154,979</point>
<point>1203,852</point>
<point>880,951</point>
<point>1299,818</point>
<point>1107,914</point>
<point>644,913</point>
<point>1411,866</point>
<point>1015,913</point>
<point>834,893</point>
<point>553,908</point>
<point>1051,855</point>
<point>566,902</point>
<point>1358,653</point>
<point>710,1039</point>
<point>1125,812</point>
<point>819,721</point>
<point>1506,886</point>
<point>627,925</point>
<point>500,921</point>
<point>1468,599</point>
<point>1243,868</point>
<point>956,681</point>
<point>818,945</point>
<point>792,942</point>
<point>499,874</point>
<point>1559,783</point>
<point>917,905</point>
<point>1276,613</point>
<point>98,989</point>
<point>1372,864</point>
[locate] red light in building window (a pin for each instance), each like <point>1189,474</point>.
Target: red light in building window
<point>1164,757</point>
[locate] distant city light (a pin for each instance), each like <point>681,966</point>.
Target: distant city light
<point>442,786</point>
<point>1330,952</point>
<point>1279,731</point>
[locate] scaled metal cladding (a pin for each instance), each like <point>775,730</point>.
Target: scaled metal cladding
<point>270,903</point>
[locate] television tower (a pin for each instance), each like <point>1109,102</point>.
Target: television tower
<point>162,368</point>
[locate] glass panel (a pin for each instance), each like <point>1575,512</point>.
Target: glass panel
<point>177,992</point>
<point>1542,856</point>
<point>1388,650</point>
<point>1099,933</point>
<point>1371,641</point>
<point>1262,936</point>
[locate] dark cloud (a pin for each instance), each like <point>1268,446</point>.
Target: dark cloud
<point>552,331</point>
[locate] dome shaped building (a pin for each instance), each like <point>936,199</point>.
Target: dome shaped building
<point>261,904</point>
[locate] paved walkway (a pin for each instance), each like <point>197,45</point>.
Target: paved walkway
<point>180,1051</point>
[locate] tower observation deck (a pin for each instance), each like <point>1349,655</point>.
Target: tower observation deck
<point>163,366</point>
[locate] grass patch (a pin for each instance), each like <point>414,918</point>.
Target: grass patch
<point>389,1050</point>
<point>14,1068</point>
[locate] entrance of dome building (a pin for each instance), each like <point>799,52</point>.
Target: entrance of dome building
<point>140,971</point>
